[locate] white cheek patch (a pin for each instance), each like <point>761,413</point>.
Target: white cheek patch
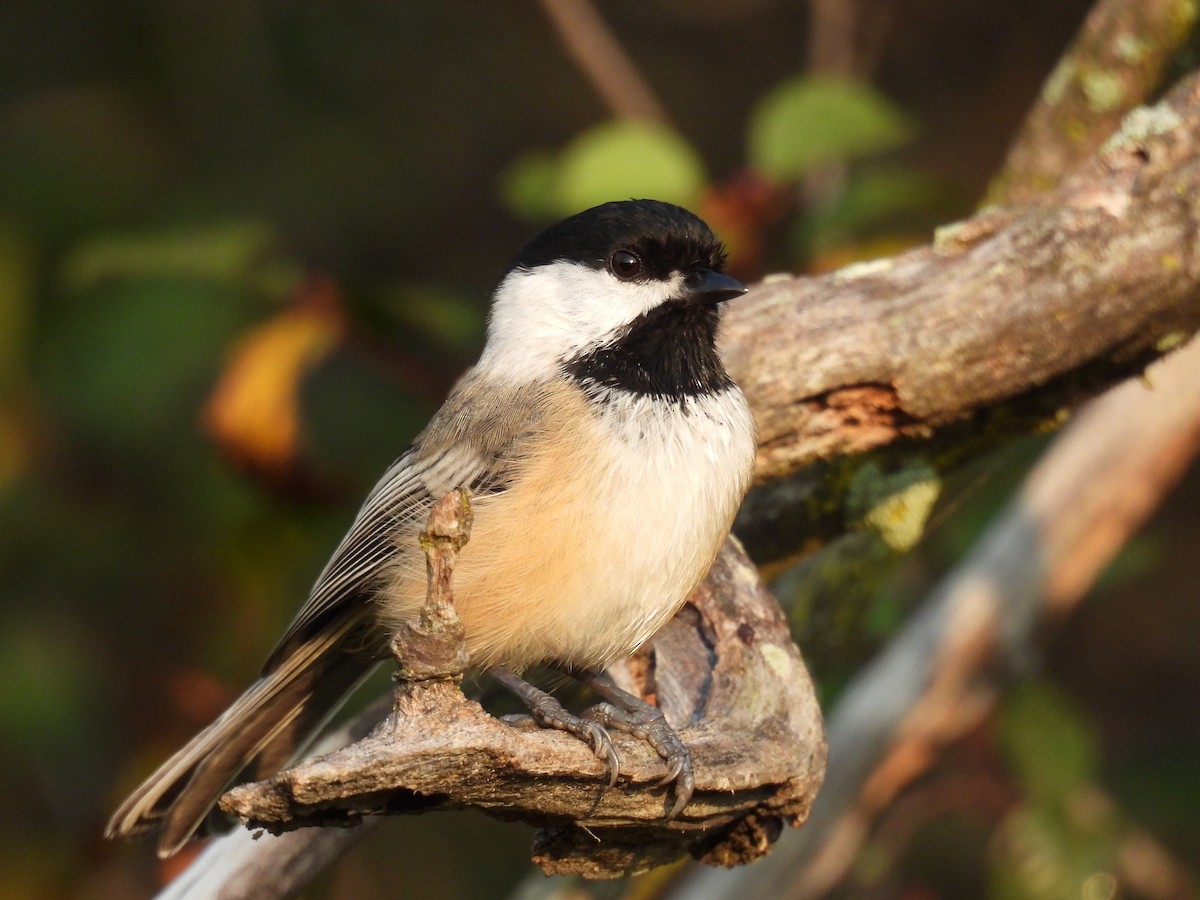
<point>542,316</point>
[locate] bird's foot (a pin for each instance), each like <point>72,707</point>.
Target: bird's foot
<point>633,715</point>
<point>549,713</point>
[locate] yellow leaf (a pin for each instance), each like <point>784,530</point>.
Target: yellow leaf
<point>254,412</point>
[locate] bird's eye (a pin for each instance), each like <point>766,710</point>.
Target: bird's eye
<point>625,264</point>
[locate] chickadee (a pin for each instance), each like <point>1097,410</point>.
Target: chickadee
<point>606,450</point>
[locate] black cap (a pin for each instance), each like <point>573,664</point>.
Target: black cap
<point>665,238</point>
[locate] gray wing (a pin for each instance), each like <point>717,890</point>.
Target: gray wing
<point>396,506</point>
<point>465,445</point>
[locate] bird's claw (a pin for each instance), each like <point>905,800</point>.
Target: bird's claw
<point>625,712</point>
<point>547,712</point>
<point>648,724</point>
<point>603,747</point>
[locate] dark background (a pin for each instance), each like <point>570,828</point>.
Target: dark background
<point>178,177</point>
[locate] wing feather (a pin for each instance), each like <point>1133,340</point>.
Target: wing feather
<point>469,443</point>
<point>397,500</point>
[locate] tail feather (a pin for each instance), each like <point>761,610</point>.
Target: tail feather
<point>254,738</point>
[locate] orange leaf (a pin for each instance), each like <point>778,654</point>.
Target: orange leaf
<point>254,412</point>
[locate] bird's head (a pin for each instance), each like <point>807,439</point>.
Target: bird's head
<point>591,280</point>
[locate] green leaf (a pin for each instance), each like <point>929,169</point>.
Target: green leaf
<point>812,119</point>
<point>242,254</point>
<point>1049,741</point>
<point>614,161</point>
<point>879,196</point>
<point>875,200</point>
<point>530,186</point>
<point>621,160</point>
<point>129,362</point>
<point>444,316</point>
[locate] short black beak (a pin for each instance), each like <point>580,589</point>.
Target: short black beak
<point>708,286</point>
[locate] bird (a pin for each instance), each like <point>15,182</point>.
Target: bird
<point>605,449</point>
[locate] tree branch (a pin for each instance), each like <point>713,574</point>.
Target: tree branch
<point>595,49</point>
<point>253,865</point>
<point>1000,327</point>
<point>1010,304</point>
<point>1117,60</point>
<point>726,674</point>
<point>944,671</point>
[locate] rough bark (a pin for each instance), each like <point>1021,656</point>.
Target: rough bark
<point>725,672</point>
<point>947,667</point>
<point>1001,326</point>
<point>1102,478</point>
<point>1117,60</point>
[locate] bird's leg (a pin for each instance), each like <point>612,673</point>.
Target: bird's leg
<point>646,722</point>
<point>549,713</point>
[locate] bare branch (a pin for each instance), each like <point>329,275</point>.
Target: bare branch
<point>1117,60</point>
<point>847,37</point>
<point>726,674</point>
<point>1000,327</point>
<point>432,648</point>
<point>943,672</point>
<point>595,49</point>
<point>1003,306</point>
<point>253,865</point>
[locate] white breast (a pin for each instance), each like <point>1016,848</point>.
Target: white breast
<point>677,475</point>
<point>599,542</point>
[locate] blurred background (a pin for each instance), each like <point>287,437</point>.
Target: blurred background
<point>245,247</point>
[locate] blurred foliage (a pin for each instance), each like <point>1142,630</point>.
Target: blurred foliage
<point>1049,743</point>
<point>254,410</point>
<point>801,126</point>
<point>814,120</point>
<point>614,160</point>
<point>847,599</point>
<point>246,248</point>
<point>236,254</point>
<point>1063,835</point>
<point>877,199</point>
